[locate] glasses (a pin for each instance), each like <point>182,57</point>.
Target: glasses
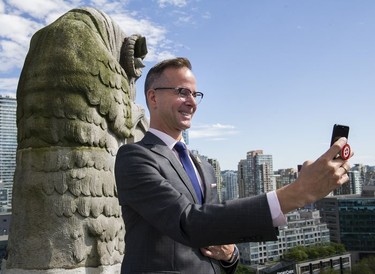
<point>185,93</point>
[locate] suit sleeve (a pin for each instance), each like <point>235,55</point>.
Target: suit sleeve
<point>149,186</point>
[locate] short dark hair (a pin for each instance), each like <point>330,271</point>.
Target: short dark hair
<point>155,72</point>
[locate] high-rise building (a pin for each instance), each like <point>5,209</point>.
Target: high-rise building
<point>354,186</point>
<point>8,143</point>
<point>351,220</point>
<point>230,184</point>
<point>185,136</point>
<point>242,179</point>
<point>264,179</point>
<point>219,182</point>
<point>356,182</point>
<point>255,174</point>
<point>285,177</point>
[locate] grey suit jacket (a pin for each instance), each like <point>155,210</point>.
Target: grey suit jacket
<point>165,227</point>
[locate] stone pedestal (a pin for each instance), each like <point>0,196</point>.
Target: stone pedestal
<point>112,269</point>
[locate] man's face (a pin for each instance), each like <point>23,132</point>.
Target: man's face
<point>169,112</point>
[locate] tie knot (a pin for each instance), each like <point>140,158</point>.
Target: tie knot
<point>180,147</point>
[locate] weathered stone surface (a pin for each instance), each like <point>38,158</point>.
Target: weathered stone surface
<point>75,108</point>
<point>112,269</point>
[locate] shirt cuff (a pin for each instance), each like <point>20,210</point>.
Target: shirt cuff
<point>278,218</point>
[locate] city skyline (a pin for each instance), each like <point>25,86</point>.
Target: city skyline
<point>207,157</point>
<point>276,75</point>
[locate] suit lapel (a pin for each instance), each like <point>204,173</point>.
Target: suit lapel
<point>206,185</point>
<point>159,147</point>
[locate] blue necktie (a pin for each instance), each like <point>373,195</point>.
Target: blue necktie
<point>186,163</point>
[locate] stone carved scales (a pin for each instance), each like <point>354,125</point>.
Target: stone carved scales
<point>75,108</point>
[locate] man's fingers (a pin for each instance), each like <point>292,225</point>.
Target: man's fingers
<point>336,148</point>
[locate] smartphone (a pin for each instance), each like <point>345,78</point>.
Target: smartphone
<point>338,132</point>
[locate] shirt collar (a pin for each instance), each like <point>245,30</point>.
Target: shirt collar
<point>168,140</point>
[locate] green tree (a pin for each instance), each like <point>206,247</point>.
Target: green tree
<point>339,248</point>
<point>297,253</point>
<point>327,250</point>
<point>366,265</point>
<point>241,269</point>
<point>313,252</point>
<point>300,253</point>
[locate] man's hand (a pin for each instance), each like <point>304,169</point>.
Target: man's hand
<point>316,179</point>
<point>219,252</point>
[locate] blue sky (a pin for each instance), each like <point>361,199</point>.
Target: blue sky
<point>276,74</point>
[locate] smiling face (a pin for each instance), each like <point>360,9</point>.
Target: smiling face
<point>169,112</point>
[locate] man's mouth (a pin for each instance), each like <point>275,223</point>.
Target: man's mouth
<point>185,113</point>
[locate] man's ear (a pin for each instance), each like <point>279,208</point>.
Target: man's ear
<point>151,98</point>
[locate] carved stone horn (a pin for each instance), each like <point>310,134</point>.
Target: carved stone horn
<point>132,53</point>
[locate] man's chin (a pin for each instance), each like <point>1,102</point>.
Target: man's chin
<point>185,126</point>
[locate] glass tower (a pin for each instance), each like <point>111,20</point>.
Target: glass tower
<point>8,144</point>
<point>351,220</point>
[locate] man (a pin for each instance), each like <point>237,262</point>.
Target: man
<point>168,228</point>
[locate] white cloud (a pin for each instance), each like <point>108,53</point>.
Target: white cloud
<point>110,7</point>
<point>21,19</point>
<point>8,85</point>
<point>157,44</point>
<point>185,19</point>
<point>38,9</point>
<point>177,3</point>
<point>206,15</point>
<point>12,55</point>
<point>159,56</point>
<point>17,28</point>
<point>223,126</point>
<point>2,6</point>
<point>216,132</point>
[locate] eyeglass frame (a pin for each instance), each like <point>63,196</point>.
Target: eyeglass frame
<point>179,90</point>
